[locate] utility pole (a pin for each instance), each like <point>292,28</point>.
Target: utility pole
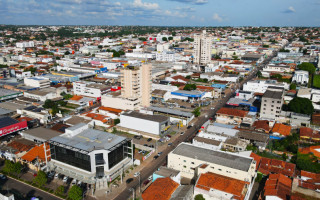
<point>139,183</point>
<point>45,155</point>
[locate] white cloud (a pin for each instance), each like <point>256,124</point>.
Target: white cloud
<point>216,17</point>
<point>145,5</point>
<point>292,9</point>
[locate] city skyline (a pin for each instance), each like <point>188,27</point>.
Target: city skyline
<point>160,12</point>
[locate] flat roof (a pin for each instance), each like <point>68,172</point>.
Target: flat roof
<point>211,156</point>
<point>89,140</point>
<point>166,172</point>
<point>155,118</point>
<point>7,121</point>
<point>76,120</point>
<point>43,133</point>
<point>171,111</point>
<point>6,92</point>
<point>187,93</point>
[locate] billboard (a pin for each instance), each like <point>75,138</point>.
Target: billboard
<point>13,128</point>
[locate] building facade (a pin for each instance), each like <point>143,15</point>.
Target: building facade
<point>202,48</point>
<point>271,103</point>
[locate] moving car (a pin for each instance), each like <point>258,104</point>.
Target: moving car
<point>149,139</point>
<point>136,174</point>
<point>129,180</point>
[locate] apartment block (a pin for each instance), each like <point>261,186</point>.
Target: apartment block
<point>202,48</point>
<point>271,103</point>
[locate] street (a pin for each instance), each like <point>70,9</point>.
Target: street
<point>23,191</point>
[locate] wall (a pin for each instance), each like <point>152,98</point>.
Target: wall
<point>140,124</point>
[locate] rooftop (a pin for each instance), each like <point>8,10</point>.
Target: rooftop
<point>155,118</point>
<point>161,188</point>
<point>89,140</point>
<point>167,172</point>
<point>171,111</point>
<point>7,121</point>
<point>218,157</point>
<point>43,133</point>
<point>272,94</point>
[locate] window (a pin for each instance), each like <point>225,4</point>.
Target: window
<point>271,109</point>
<point>272,106</point>
<point>184,161</point>
<point>192,163</point>
<point>265,104</point>
<point>278,101</point>
<point>264,108</point>
<point>272,101</point>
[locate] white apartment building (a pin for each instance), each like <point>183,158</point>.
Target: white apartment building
<point>25,44</point>
<point>202,48</point>
<point>136,89</point>
<point>301,77</point>
<point>45,93</point>
<point>39,82</point>
<point>163,47</point>
<point>277,68</point>
<point>190,161</point>
<point>167,56</point>
<point>151,56</point>
<point>90,89</point>
<point>260,86</point>
<point>271,103</point>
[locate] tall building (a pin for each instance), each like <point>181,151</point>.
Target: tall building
<point>136,83</point>
<point>271,103</point>
<point>136,89</point>
<point>202,48</point>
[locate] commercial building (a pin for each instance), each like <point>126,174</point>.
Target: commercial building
<point>45,93</point>
<point>144,123</point>
<point>202,48</point>
<point>9,125</point>
<point>301,77</point>
<point>6,94</point>
<point>271,103</point>
<point>136,89</point>
<point>38,82</point>
<point>90,89</point>
<point>89,155</point>
<point>259,86</point>
<point>192,161</point>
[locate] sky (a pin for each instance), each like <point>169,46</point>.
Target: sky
<point>161,12</point>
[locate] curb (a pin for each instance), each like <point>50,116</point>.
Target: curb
<point>36,188</point>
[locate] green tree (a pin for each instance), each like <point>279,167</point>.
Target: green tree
<point>259,74</point>
<point>40,179</point>
<point>199,197</point>
<point>301,105</point>
<point>75,193</point>
<point>293,86</point>
<point>196,112</point>
<point>316,81</point>
<point>8,167</point>
<point>60,190</point>
<point>284,156</point>
<point>217,57</point>
<point>142,39</point>
<point>17,168</point>
<point>190,87</point>
<point>188,77</point>
<point>67,53</point>
<point>170,38</point>
<point>307,67</point>
<point>164,39</point>
<point>116,121</point>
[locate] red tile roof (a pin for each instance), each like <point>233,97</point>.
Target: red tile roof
<point>112,110</point>
<point>210,180</point>
<point>37,152</point>
<point>76,98</point>
<point>179,77</point>
<point>161,188</point>
<point>309,133</point>
<point>278,185</point>
<point>262,125</point>
<point>232,112</point>
<point>281,129</point>
<point>311,149</point>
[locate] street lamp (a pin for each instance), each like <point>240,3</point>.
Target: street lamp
<point>132,189</point>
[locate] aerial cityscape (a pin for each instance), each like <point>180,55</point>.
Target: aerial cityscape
<point>159,100</point>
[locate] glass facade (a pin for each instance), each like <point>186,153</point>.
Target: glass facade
<point>70,157</point>
<point>118,154</point>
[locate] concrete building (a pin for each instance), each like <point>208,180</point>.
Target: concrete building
<point>260,86</point>
<point>144,123</point>
<point>271,103</point>
<point>90,89</point>
<point>301,77</point>
<point>136,89</point>
<point>89,155</point>
<point>45,93</point>
<point>192,161</point>
<point>202,48</point>
<point>37,82</point>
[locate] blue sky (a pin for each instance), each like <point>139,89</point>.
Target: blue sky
<point>161,12</point>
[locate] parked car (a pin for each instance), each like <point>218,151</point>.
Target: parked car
<point>159,154</point>
<point>143,152</point>
<point>56,176</point>
<point>3,177</point>
<point>170,144</point>
<point>65,179</point>
<point>136,174</point>
<point>146,182</point>
<point>155,157</point>
<point>149,139</point>
<point>189,127</point>
<point>181,133</point>
<point>138,137</point>
<point>140,151</point>
<point>129,180</point>
<point>79,183</point>
<point>145,145</point>
<point>151,146</point>
<point>51,174</point>
<point>74,181</point>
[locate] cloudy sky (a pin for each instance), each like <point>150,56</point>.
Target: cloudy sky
<point>161,12</point>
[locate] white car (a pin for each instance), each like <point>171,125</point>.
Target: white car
<point>56,176</point>
<point>79,183</point>
<point>65,179</point>
<point>74,181</point>
<point>136,174</point>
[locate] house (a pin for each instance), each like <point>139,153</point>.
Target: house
<point>215,186</point>
<point>301,77</point>
<point>281,129</point>
<point>178,78</point>
<point>164,172</point>
<point>309,134</point>
<point>261,125</point>
<point>277,187</point>
<point>230,116</point>
<point>314,150</point>
<point>161,188</point>
<point>304,93</point>
<point>36,155</point>
<point>309,180</point>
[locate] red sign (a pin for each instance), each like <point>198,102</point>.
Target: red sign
<point>13,128</point>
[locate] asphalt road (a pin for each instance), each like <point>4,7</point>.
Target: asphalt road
<point>189,134</point>
<point>23,191</point>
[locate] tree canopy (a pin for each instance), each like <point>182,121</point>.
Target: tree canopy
<point>196,112</point>
<point>199,197</point>
<point>190,87</point>
<point>40,179</point>
<point>301,105</point>
<point>293,86</point>
<point>75,193</point>
<point>307,67</point>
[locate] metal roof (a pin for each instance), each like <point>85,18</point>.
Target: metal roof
<point>89,140</point>
<point>171,111</point>
<point>7,121</point>
<point>211,156</point>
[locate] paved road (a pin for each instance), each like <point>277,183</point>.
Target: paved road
<point>189,134</point>
<point>23,191</point>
